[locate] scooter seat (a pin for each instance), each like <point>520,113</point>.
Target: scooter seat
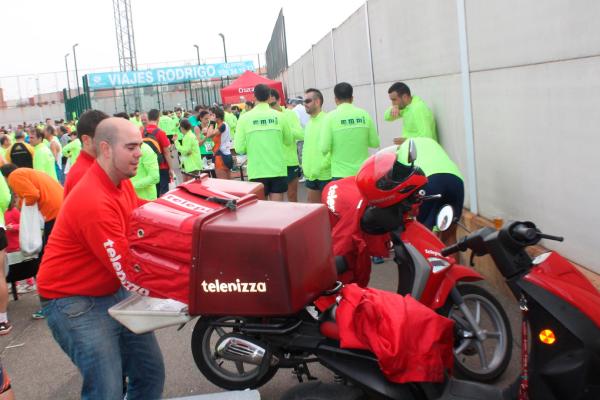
<point>328,326</point>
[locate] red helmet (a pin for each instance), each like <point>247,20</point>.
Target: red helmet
<point>384,181</point>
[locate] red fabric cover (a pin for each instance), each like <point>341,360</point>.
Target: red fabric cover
<point>346,206</point>
<point>412,343</point>
<point>244,87</point>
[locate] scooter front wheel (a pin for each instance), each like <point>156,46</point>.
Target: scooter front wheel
<point>230,375</point>
<point>476,359</point>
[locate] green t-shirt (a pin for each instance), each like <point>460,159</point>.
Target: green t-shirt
<point>231,122</point>
<point>147,176</point>
<point>4,199</point>
<point>348,133</point>
<point>418,120</point>
<point>191,159</point>
<point>261,134</point>
<point>315,164</point>
<point>72,150</point>
<point>137,122</point>
<point>43,160</point>
<point>431,157</point>
<point>166,124</point>
<point>291,150</point>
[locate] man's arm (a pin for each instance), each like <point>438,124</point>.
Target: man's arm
<point>326,137</point>
<point>286,132</point>
<point>392,113</point>
<point>295,126</point>
<point>106,238</point>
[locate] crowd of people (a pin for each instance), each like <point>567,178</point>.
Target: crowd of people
<point>101,167</point>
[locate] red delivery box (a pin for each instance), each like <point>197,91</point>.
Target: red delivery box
<point>160,233</point>
<point>265,259</point>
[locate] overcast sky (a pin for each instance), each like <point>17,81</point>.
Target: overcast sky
<point>37,34</point>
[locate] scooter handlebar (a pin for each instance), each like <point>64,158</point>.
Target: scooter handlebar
<point>461,245</point>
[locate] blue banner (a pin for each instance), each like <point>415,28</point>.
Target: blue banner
<point>166,76</point>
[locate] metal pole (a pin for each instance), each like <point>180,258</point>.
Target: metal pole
<point>67,69</point>
<point>76,73</point>
<point>371,62</point>
<point>197,53</point>
<point>224,48</point>
<point>467,108</point>
<point>333,55</point>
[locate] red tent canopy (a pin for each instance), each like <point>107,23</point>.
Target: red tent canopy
<point>242,89</point>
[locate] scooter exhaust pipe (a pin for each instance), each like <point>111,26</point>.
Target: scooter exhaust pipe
<point>234,348</point>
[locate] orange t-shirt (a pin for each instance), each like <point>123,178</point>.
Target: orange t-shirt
<point>34,186</point>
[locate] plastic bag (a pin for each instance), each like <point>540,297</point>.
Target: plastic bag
<point>30,229</point>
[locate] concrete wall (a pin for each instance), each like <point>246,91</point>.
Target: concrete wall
<point>534,70</point>
<point>31,114</point>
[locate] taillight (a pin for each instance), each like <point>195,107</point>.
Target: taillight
<point>547,336</point>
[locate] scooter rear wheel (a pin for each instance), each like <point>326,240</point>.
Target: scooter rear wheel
<point>227,374</point>
<point>477,360</point>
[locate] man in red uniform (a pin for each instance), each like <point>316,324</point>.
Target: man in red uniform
<point>83,273</point>
<point>85,130</point>
<point>165,165</point>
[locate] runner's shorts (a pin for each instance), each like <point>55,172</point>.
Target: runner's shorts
<point>316,184</point>
<point>293,173</point>
<point>273,185</point>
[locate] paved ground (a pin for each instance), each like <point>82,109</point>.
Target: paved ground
<point>40,370</point>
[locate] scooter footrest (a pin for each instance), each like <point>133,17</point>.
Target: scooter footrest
<point>457,389</point>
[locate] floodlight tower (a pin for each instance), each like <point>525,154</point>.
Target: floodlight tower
<point>125,41</point>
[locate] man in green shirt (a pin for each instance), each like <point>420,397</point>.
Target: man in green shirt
<point>291,151</point>
<point>418,118</point>
<point>43,159</point>
<point>443,177</point>
<point>261,134</point>
<point>316,165</point>
<point>230,119</point>
<point>188,148</point>
<point>348,134</point>
<point>147,176</point>
<point>72,150</point>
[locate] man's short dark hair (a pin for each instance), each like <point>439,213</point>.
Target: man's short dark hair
<point>198,108</point>
<point>220,114</point>
<point>122,115</point>
<point>262,92</point>
<point>39,134</point>
<point>400,88</point>
<point>7,169</point>
<point>19,135</point>
<point>89,121</point>
<point>275,94</point>
<point>185,124</point>
<point>153,115</point>
<point>50,129</point>
<point>317,93</point>
<point>343,91</point>
<point>203,114</point>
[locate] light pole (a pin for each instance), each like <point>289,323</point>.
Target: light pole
<point>67,69</point>
<point>197,53</point>
<point>224,48</point>
<point>76,73</point>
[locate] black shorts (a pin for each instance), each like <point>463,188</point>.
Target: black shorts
<point>451,188</point>
<point>316,184</point>
<point>273,185</point>
<point>293,173</point>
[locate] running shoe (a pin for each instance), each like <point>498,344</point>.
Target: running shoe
<point>5,328</point>
<point>38,315</point>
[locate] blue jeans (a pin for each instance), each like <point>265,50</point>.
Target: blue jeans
<point>104,350</point>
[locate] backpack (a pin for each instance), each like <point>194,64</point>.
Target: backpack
<point>21,156</point>
<point>151,140</point>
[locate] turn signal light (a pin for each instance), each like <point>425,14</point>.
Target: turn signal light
<point>547,336</point>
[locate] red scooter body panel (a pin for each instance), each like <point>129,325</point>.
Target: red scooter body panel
<point>557,275</point>
<point>444,272</point>
<point>265,259</point>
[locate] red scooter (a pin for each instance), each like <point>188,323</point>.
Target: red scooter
<point>483,339</point>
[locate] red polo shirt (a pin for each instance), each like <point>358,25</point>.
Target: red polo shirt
<point>78,170</point>
<point>163,141</point>
<point>88,253</point>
